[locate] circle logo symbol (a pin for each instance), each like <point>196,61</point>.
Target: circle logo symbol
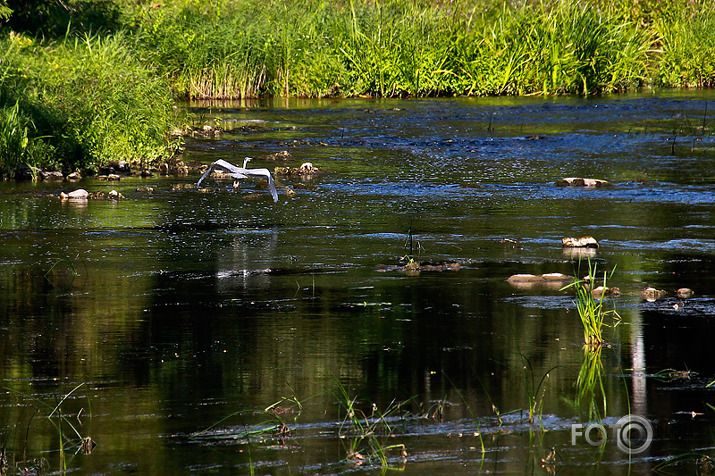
<point>634,434</point>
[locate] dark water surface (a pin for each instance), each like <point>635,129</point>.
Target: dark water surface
<point>191,306</point>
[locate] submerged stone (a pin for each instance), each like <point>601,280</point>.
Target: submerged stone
<point>413,268</point>
<point>114,195</point>
<point>578,253</point>
<point>583,242</point>
<point>557,277</point>
<point>582,182</point>
<point>51,176</point>
<point>685,293</point>
<point>546,280</point>
<point>652,294</point>
<point>306,169</point>
<point>525,278</point>
<point>602,291</point>
<point>282,155</point>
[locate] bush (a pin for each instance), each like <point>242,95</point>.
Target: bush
<point>87,100</point>
<point>52,18</point>
<point>18,148</point>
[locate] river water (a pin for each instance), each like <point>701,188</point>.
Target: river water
<point>165,324</point>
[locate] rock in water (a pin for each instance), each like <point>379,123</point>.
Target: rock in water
<point>652,294</point>
<point>51,176</point>
<point>583,242</point>
<point>582,182</point>
<point>79,194</point>
<point>685,293</point>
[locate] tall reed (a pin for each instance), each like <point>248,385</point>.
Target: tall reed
<point>686,50</point>
<point>396,48</point>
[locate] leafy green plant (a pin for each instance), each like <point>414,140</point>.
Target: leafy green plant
<point>591,309</point>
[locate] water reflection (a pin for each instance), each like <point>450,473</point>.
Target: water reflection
<point>244,262</point>
<point>591,394</point>
<point>188,307</point>
<point>638,364</point>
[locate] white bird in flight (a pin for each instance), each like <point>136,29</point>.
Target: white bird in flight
<point>243,172</point>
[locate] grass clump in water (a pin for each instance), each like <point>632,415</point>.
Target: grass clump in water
<point>70,440</point>
<point>590,306</point>
<point>368,436</point>
<point>590,383</point>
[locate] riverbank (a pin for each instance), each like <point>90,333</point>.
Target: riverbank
<point>86,82</point>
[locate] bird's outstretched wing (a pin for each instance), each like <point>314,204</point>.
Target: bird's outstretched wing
<point>235,172</point>
<point>263,173</point>
<point>241,173</point>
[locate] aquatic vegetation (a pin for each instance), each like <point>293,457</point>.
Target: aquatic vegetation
<point>589,383</point>
<point>535,391</point>
<point>367,436</point>
<point>274,426</point>
<point>704,464</point>
<point>590,306</point>
<point>69,437</point>
<point>62,273</point>
<point>80,443</point>
<point>669,375</point>
<point>473,414</point>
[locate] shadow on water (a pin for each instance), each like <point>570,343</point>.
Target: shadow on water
<point>178,309</point>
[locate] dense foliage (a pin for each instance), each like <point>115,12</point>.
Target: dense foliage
<point>239,48</point>
<point>83,82</point>
<point>79,103</point>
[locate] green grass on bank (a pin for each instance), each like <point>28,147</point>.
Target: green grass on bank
<point>78,103</point>
<point>244,48</point>
<point>83,82</point>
